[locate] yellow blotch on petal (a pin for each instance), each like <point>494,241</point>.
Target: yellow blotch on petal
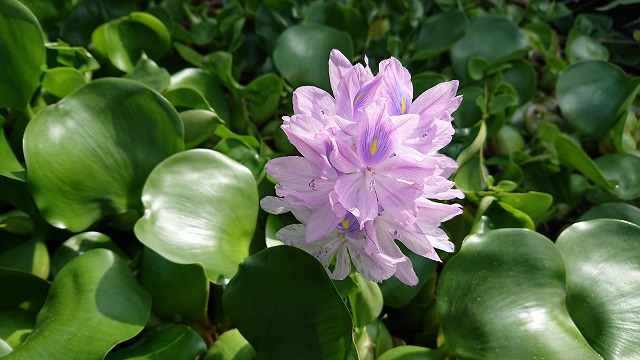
<point>345,223</point>
<point>403,105</point>
<point>374,147</point>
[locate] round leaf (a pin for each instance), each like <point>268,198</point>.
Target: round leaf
<point>201,207</point>
<point>176,342</point>
<point>506,42</point>
<point>179,292</point>
<point>204,83</point>
<point>89,155</point>
<point>96,299</point>
<point>31,256</point>
<point>62,81</point>
<point>124,41</point>
<point>302,53</point>
<point>622,211</point>
<point>502,297</point>
<point>603,281</point>
<point>23,54</point>
<point>437,33</point>
<point>78,245</point>
<point>366,304</point>
<point>298,315</point>
<point>622,171</point>
<point>21,289</point>
<point>593,94</point>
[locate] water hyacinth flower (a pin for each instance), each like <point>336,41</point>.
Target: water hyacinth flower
<point>369,171</point>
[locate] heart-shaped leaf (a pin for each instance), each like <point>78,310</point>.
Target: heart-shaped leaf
<point>201,207</point>
<point>503,297</point>
<point>594,94</point>
<point>95,298</point>
<point>603,281</point>
<point>284,304</point>
<point>302,53</point>
<point>89,155</point>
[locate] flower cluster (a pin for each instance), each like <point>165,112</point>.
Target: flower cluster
<point>369,171</point>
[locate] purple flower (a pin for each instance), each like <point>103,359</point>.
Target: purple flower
<point>368,171</point>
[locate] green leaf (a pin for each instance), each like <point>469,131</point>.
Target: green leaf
<point>206,85</point>
<point>603,280</point>
<point>302,53</point>
<point>533,203</point>
<point>366,304</point>
<point>88,15</point>
<point>581,46</point>
<point>412,352</point>
<point>522,76</point>
<point>622,171</point>
<point>263,95</point>
<point>17,324</point>
<point>468,114</point>
<point>593,95</point>
<point>299,314</point>
<point>231,346</point>
<point>506,43</point>
<point>621,211</point>
<point>124,41</point>
<point>96,299</point>
<point>398,294</point>
<point>89,155</point>
<point>62,54</point>
<point>508,284</point>
<point>178,292</point>
<point>187,226</point>
<point>31,256</point>
<point>438,32</point>
<point>9,166</point>
<point>242,153</point>
<point>22,290</point>
<point>176,342</point>
<point>23,54</point>
<point>62,81</point>
<point>571,155</point>
<point>469,176</point>
<point>343,17</point>
<point>149,73</point>
<point>79,244</point>
<point>373,340</point>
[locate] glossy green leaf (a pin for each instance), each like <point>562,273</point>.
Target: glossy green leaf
<point>9,166</point>
<point>506,43</point>
<point>96,299</point>
<point>299,315</point>
<point>437,33</point>
<point>187,226</point>
<point>23,54</point>
<point>49,12</point>
<point>230,346</point>
<point>176,342</point>
<point>204,83</point>
<point>149,73</point>
<point>622,211</point>
<point>412,352</point>
<point>621,170</point>
<point>366,304</point>
<point>178,292</point>
<point>572,156</point>
<point>508,284</point>
<point>198,126</point>
<point>31,256</point>
<point>89,155</point>
<point>603,280</point>
<point>62,81</point>
<point>143,32</point>
<point>242,153</point>
<point>594,94</point>
<point>17,222</point>
<point>273,224</point>
<point>264,95</point>
<point>61,54</point>
<point>79,244</point>
<point>302,53</point>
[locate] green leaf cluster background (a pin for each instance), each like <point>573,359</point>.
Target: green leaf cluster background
<point>134,136</point>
